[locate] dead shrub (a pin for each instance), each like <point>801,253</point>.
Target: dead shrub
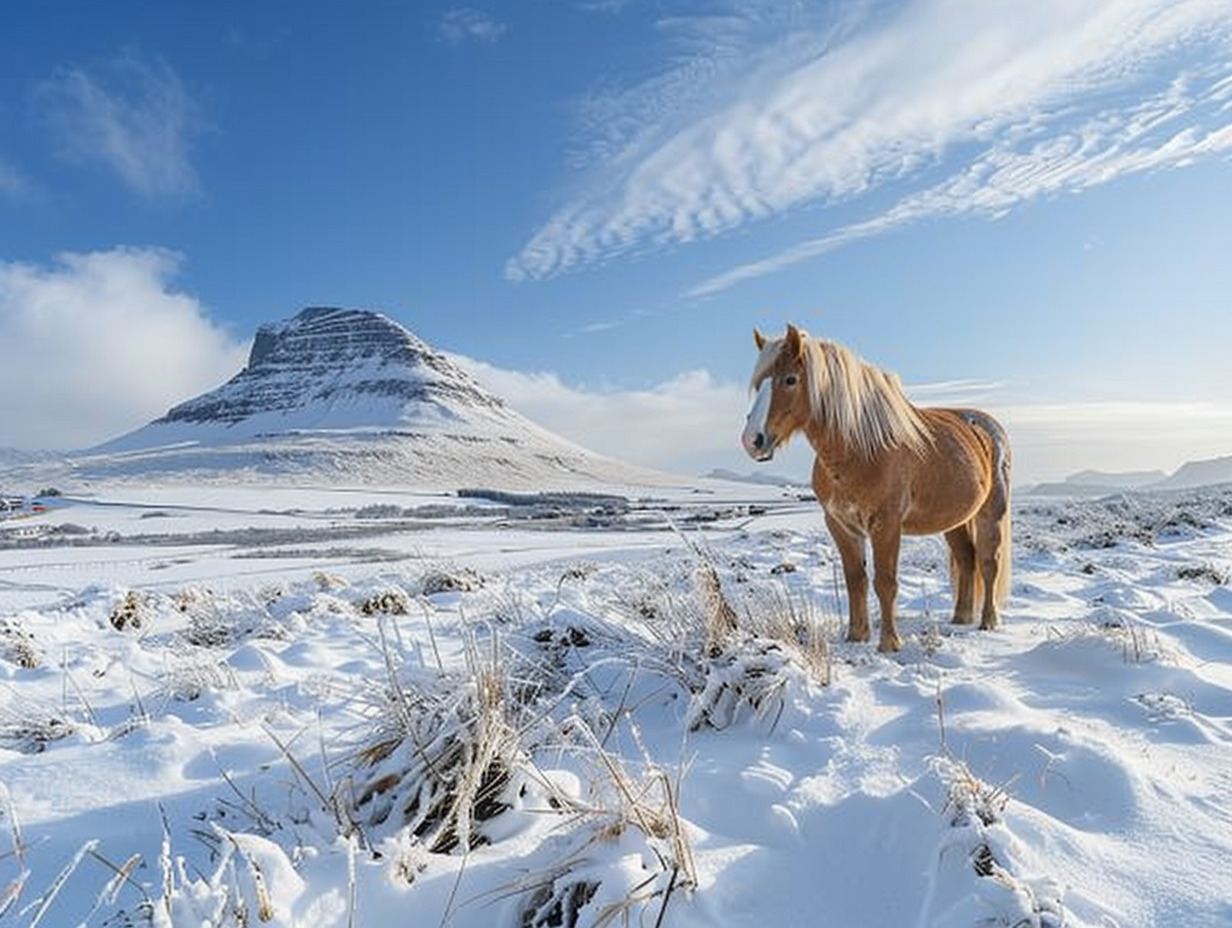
<point>17,645</point>
<point>30,732</point>
<point>1208,573</point>
<point>747,680</point>
<point>717,612</point>
<point>387,602</point>
<point>464,580</point>
<point>129,612</point>
<point>557,903</point>
<point>446,759</point>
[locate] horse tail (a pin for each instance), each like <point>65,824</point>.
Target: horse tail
<point>1003,532</point>
<point>1005,555</point>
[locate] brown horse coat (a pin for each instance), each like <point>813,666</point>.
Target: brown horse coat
<point>885,468</point>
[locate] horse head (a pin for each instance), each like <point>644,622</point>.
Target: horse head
<point>781,404</point>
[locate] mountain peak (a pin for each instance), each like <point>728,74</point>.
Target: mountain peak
<point>330,367</point>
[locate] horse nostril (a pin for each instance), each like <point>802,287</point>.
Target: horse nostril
<point>760,441</point>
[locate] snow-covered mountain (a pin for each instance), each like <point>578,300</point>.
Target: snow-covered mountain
<point>347,395</point>
<point>332,370</point>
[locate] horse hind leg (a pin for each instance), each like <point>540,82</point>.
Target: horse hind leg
<point>963,576</point>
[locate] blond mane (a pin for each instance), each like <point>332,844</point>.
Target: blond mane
<point>862,405</point>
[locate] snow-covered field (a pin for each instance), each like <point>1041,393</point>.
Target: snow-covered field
<point>226,707</point>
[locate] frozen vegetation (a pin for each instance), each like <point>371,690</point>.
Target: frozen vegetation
<point>296,707</point>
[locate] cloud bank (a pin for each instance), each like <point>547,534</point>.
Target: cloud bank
<point>98,344</point>
<point>957,106</point>
<point>691,424</point>
<point>133,118</point>
<point>682,425</point>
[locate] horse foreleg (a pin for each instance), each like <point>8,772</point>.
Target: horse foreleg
<point>962,573</point>
<point>851,549</point>
<point>886,544</point>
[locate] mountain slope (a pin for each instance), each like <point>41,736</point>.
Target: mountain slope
<point>1197,474</point>
<point>344,395</point>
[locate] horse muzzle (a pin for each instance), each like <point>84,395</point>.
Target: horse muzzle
<point>757,440</point>
<point>758,445</point>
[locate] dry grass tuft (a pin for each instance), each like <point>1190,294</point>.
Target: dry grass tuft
<point>129,612</point>
<point>328,583</point>
<point>444,761</point>
<point>387,602</point>
<point>1209,573</point>
<point>558,901</point>
<point>635,810</point>
<point>31,731</point>
<point>969,799</point>
<point>462,580</point>
<point>745,682</point>
<point>748,662</point>
<point>17,645</point>
<point>191,673</point>
<point>718,615</point>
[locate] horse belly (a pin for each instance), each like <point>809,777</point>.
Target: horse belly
<point>934,520</point>
<point>945,497</point>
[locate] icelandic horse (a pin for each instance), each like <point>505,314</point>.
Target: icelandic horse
<point>884,468</point>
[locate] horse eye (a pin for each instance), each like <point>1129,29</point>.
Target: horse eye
<point>790,380</point>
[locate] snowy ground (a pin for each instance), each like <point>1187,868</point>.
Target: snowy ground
<point>329,708</point>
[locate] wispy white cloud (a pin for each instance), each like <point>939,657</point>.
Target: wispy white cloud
<point>131,116</point>
<point>1152,135</point>
<point>465,24</point>
<point>12,183</point>
<point>1005,101</point>
<point>98,344</point>
<point>604,6</point>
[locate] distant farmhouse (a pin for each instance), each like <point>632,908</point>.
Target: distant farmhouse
<point>13,506</point>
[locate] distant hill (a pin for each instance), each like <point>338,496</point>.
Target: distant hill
<point>767,480</point>
<point>1101,483</point>
<point>1198,474</point>
<point>1129,479</point>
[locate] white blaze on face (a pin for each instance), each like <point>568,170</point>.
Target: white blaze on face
<point>754,438</point>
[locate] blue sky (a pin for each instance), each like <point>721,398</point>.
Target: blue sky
<point>1022,206</point>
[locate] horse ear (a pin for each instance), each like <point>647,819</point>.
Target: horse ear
<point>794,343</point>
<point>759,340</point>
